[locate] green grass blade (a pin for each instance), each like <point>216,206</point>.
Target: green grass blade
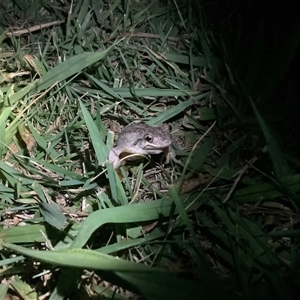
<point>98,144</point>
<point>62,71</point>
<point>172,112</point>
<point>280,165</point>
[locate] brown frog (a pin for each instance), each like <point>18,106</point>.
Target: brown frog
<point>140,138</point>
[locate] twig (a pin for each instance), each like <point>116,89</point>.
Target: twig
<point>32,29</point>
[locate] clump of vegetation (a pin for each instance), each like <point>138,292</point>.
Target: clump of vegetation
<point>222,224</point>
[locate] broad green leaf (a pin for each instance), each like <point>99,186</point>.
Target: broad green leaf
<point>4,115</point>
<point>145,92</point>
<point>3,290</point>
<point>265,191</point>
<point>138,212</point>
<point>200,154</point>
<point>23,289</point>
<point>53,215</point>
<point>14,176</point>
<point>185,59</point>
<point>142,278</point>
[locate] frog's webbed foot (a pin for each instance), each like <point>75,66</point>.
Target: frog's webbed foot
<point>113,156</point>
<point>169,154</point>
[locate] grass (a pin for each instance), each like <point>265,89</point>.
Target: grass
<point>72,228</point>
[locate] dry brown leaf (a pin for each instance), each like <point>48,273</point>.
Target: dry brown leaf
<point>192,183</point>
<point>12,149</point>
<point>27,138</point>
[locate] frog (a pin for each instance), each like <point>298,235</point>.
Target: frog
<point>139,138</point>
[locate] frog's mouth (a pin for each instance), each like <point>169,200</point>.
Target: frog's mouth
<point>152,146</point>
<point>155,149</point>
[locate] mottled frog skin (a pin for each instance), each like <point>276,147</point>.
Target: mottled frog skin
<point>140,138</point>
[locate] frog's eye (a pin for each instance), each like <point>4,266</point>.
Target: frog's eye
<point>148,138</point>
